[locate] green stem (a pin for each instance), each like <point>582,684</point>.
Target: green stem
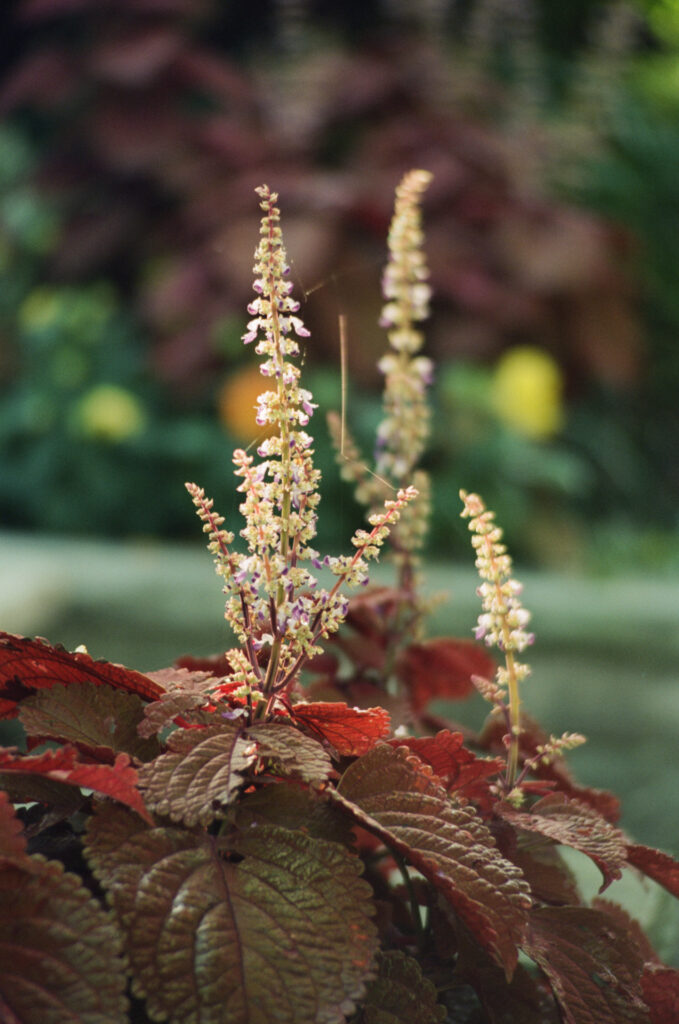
<point>514,720</point>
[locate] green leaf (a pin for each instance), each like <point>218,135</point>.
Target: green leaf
<point>593,965</point>
<point>91,715</point>
<point>292,752</point>
<point>200,774</point>
<point>270,928</point>
<point>400,994</point>
<point>391,794</point>
<point>59,950</point>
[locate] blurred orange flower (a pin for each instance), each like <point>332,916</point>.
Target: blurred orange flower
<point>237,401</point>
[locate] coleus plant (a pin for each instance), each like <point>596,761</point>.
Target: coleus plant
<point>285,832</point>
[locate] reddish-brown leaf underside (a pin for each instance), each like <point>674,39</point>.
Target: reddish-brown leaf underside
<point>351,731</point>
<point>593,965</point>
<point>393,794</point>
<point>657,865</point>
<point>660,986</point>
<point>575,824</point>
<point>59,950</point>
<point>12,841</point>
<point>118,780</point>
<point>442,667</point>
<point>458,768</point>
<point>27,665</point>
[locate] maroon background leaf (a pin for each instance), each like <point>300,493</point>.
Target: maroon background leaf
<point>442,667</point>
<point>660,986</point>
<point>351,731</point>
<point>27,665</point>
<point>657,865</point>
<point>118,780</point>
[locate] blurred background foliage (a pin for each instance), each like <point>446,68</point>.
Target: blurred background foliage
<point>133,133</point>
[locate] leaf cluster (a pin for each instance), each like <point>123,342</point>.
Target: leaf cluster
<point>161,859</point>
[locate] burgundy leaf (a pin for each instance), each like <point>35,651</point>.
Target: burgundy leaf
<point>12,842</point>
<point>395,796</point>
<point>118,780</point>
<point>161,713</point>
<point>442,667</point>
<point>573,824</point>
<point>659,866</point>
<point>550,879</point>
<point>94,717</point>
<point>351,731</point>
<point>592,964</point>
<point>460,770</point>
<point>262,925</point>
<point>27,665</point>
<point>525,1000</point>
<point>290,752</point>
<point>400,994</point>
<point>660,986</point>
<point>201,773</point>
<point>59,950</point>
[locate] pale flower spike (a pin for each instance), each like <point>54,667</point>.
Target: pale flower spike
<point>503,620</point>
<point>403,432</point>
<point>502,624</point>
<point>274,603</point>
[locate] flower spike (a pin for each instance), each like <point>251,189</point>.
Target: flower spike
<point>274,603</point>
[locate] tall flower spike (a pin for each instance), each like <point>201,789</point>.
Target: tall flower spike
<point>274,603</point>
<point>404,429</point>
<point>503,622</point>
<point>402,434</point>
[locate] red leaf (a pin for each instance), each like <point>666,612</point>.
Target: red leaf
<point>27,665</point>
<point>460,770</point>
<point>442,667</point>
<point>660,986</point>
<point>351,731</point>
<point>659,866</point>
<point>118,780</point>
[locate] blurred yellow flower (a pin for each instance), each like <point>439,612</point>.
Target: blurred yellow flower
<point>236,403</point>
<point>110,413</point>
<point>526,392</point>
<point>40,309</point>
